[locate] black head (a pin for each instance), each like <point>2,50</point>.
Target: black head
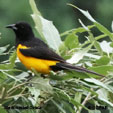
<point>22,30</point>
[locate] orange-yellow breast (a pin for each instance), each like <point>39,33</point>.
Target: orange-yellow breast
<point>40,65</point>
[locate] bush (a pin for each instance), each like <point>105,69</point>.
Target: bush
<point>62,92</point>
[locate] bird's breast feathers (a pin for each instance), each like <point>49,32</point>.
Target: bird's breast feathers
<point>40,65</point>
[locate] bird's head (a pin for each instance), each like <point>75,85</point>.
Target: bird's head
<point>22,30</point>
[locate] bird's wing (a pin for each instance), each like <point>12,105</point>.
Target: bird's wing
<point>42,53</point>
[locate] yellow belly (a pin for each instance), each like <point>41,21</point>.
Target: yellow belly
<point>40,65</point>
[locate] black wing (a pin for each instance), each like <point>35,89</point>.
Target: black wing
<point>41,53</point>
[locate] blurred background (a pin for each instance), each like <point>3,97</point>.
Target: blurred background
<point>63,16</point>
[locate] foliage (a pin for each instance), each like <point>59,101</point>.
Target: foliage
<point>61,92</point>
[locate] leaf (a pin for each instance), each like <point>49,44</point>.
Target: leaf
<point>46,28</point>
<point>10,76</point>
<point>22,76</point>
<point>110,109</point>
<point>94,111</point>
<point>63,95</point>
<point>42,84</point>
<point>3,49</point>
<point>104,60</point>
<point>35,94</point>
<point>77,30</point>
<point>112,26</point>
<point>92,39</point>
<point>12,59</point>
<point>98,25</point>
<point>106,47</point>
<point>71,41</point>
<point>34,7</point>
<point>104,30</point>
<point>58,106</point>
<point>75,74</point>
<point>79,55</point>
<point>89,90</point>
<point>103,69</point>
<point>86,13</point>
<point>51,34</point>
<point>78,96</point>
<point>2,110</point>
<point>99,83</point>
<point>90,55</point>
<point>103,95</point>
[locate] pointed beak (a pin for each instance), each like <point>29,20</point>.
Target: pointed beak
<point>12,26</point>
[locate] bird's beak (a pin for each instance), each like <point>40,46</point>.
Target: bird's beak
<point>12,26</point>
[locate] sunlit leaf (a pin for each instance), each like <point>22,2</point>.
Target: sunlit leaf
<point>99,83</point>
<point>106,47</point>
<point>79,55</point>
<point>3,49</point>
<point>34,95</point>
<point>86,13</point>
<point>46,28</point>
<point>103,95</point>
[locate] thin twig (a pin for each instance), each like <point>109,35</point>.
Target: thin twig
<point>85,101</point>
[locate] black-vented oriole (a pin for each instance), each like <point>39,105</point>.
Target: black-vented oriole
<point>34,53</point>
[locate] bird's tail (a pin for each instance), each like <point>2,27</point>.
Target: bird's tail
<point>67,66</point>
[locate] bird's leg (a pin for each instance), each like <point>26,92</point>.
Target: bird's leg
<point>31,75</point>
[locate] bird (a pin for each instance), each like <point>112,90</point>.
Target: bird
<point>36,54</point>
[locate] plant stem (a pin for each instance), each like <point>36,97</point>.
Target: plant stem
<point>85,101</point>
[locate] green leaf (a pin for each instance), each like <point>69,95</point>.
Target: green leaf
<point>89,90</point>
<point>58,106</point>
<point>63,95</point>
<point>104,60</point>
<point>96,44</point>
<point>77,30</point>
<point>94,111</point>
<point>22,76</point>
<point>51,34</point>
<point>103,96</point>
<point>79,55</point>
<point>71,41</point>
<point>104,69</point>
<point>12,59</point>
<point>69,75</point>
<point>104,30</point>
<point>86,13</point>
<point>46,28</point>
<point>92,39</point>
<point>75,74</point>
<point>98,25</point>
<point>99,83</point>
<point>42,84</point>
<point>110,109</point>
<point>35,94</point>
<point>111,44</point>
<point>78,97</point>
<point>3,49</point>
<point>34,7</point>
<point>106,47</point>
<point>2,110</point>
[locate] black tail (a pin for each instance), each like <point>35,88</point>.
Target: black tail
<point>67,66</point>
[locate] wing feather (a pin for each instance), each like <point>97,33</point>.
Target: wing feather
<point>42,53</point>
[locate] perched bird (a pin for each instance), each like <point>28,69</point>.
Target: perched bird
<point>34,53</point>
